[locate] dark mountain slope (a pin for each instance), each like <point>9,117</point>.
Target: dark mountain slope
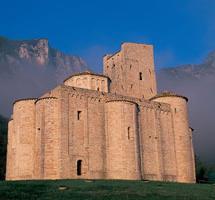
<point>30,67</point>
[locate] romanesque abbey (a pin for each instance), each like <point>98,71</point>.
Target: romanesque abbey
<point>104,126</point>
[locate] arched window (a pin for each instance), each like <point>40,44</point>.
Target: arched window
<point>78,115</point>
<point>79,167</point>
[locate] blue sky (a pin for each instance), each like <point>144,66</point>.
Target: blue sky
<point>182,31</point>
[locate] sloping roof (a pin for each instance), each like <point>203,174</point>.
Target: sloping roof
<point>86,73</point>
<point>169,94</point>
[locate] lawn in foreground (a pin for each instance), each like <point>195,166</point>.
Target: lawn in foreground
<point>104,190</point>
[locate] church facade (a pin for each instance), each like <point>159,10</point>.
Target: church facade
<point>104,126</point>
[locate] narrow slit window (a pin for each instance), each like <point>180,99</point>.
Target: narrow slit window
<point>79,167</point>
<point>129,133</point>
<point>79,115</point>
<point>151,90</point>
<point>98,89</point>
<point>141,76</point>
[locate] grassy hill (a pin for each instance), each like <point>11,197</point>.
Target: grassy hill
<point>104,190</point>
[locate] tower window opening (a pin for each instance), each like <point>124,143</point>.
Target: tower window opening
<point>129,134</point>
<point>98,89</point>
<point>131,86</point>
<point>79,167</point>
<point>130,66</point>
<point>141,76</point>
<point>79,115</point>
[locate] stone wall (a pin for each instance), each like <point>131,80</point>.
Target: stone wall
<point>47,139</point>
<point>83,134</point>
<point>167,146</point>
<point>151,158</point>
<point>11,152</point>
<point>122,140</point>
<point>182,138</point>
<point>22,128</point>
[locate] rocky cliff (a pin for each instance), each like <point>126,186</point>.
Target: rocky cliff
<point>15,55</point>
<point>30,67</point>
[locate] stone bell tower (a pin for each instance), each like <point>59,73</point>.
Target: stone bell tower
<point>131,71</point>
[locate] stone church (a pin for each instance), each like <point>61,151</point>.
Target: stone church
<point>104,126</point>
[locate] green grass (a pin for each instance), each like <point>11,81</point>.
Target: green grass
<point>104,190</point>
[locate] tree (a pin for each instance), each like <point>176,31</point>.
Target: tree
<point>3,146</point>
